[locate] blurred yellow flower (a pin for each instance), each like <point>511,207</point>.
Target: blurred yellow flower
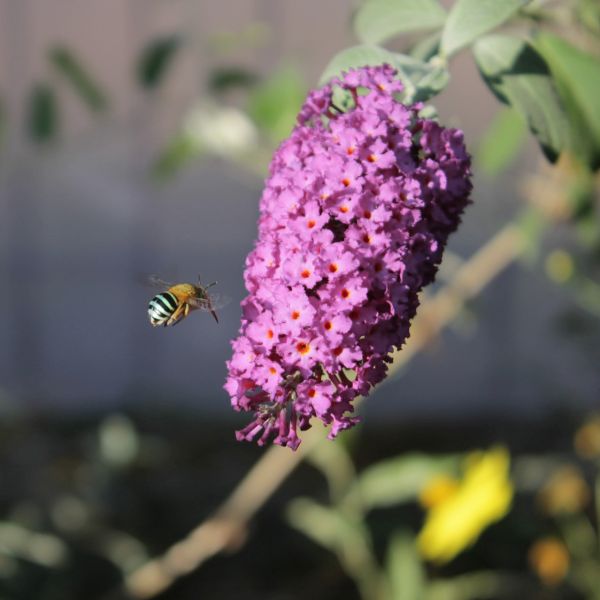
<point>587,438</point>
<point>437,490</point>
<point>549,559</point>
<point>482,497</point>
<point>565,492</point>
<point>559,266</point>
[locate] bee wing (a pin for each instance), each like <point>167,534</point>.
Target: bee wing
<point>213,302</point>
<point>157,282</point>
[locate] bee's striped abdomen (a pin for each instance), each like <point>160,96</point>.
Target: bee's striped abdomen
<point>161,308</point>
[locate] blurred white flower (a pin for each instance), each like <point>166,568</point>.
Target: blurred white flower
<point>220,130</point>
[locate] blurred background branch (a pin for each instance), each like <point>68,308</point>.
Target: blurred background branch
<point>228,527</point>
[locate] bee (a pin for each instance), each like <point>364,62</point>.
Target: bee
<point>178,300</point>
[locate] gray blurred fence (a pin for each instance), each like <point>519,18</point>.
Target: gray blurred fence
<point>81,224</point>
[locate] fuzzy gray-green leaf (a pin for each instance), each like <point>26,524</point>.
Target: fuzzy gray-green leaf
<point>421,80</point>
<point>379,20</point>
<point>399,479</point>
<point>577,74</point>
<point>470,19</point>
<point>518,76</point>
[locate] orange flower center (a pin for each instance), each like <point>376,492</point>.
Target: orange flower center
<point>305,274</point>
<point>367,214</point>
<point>328,325</point>
<point>372,158</point>
<point>333,268</point>
<point>345,293</point>
<point>312,393</point>
<point>270,334</point>
<point>303,347</point>
<point>346,182</point>
<point>311,224</point>
<point>295,315</point>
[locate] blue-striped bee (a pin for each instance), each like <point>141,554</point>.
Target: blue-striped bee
<point>178,300</point>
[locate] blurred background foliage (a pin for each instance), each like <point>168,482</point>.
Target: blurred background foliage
<point>405,513</point>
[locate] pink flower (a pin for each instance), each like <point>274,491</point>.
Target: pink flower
<point>353,222</point>
<point>337,262</point>
<point>333,327</point>
<point>263,332</point>
<point>293,310</point>
<point>309,222</point>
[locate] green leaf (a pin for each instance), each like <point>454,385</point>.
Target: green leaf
<point>588,13</point>
<point>518,76</point>
<point>470,19</point>
<point>404,568</point>
<point>274,104</point>
<point>477,584</point>
<point>501,142</point>
<point>427,47</point>
<point>42,113</point>
<point>421,80</point>
<point>156,59</point>
<point>223,79</point>
<point>426,84</point>
<point>380,20</point>
<point>399,479</point>
<point>355,57</point>
<point>179,151</point>
<point>347,538</point>
<point>83,84</point>
<point>334,462</point>
<point>578,77</point>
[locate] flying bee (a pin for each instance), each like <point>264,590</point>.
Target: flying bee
<point>178,300</point>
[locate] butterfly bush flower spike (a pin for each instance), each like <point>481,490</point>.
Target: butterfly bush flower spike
<point>353,222</point>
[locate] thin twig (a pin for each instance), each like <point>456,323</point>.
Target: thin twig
<point>469,280</point>
<point>225,530</point>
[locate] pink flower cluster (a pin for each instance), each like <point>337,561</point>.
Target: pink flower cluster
<point>353,222</point>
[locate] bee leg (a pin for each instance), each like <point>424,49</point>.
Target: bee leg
<point>179,313</point>
<point>210,285</point>
<point>214,314</point>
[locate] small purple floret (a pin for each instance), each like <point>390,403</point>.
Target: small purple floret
<point>353,222</point>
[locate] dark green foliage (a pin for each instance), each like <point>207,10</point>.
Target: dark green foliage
<point>156,59</point>
<point>80,80</point>
<point>223,79</point>
<point>42,113</point>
